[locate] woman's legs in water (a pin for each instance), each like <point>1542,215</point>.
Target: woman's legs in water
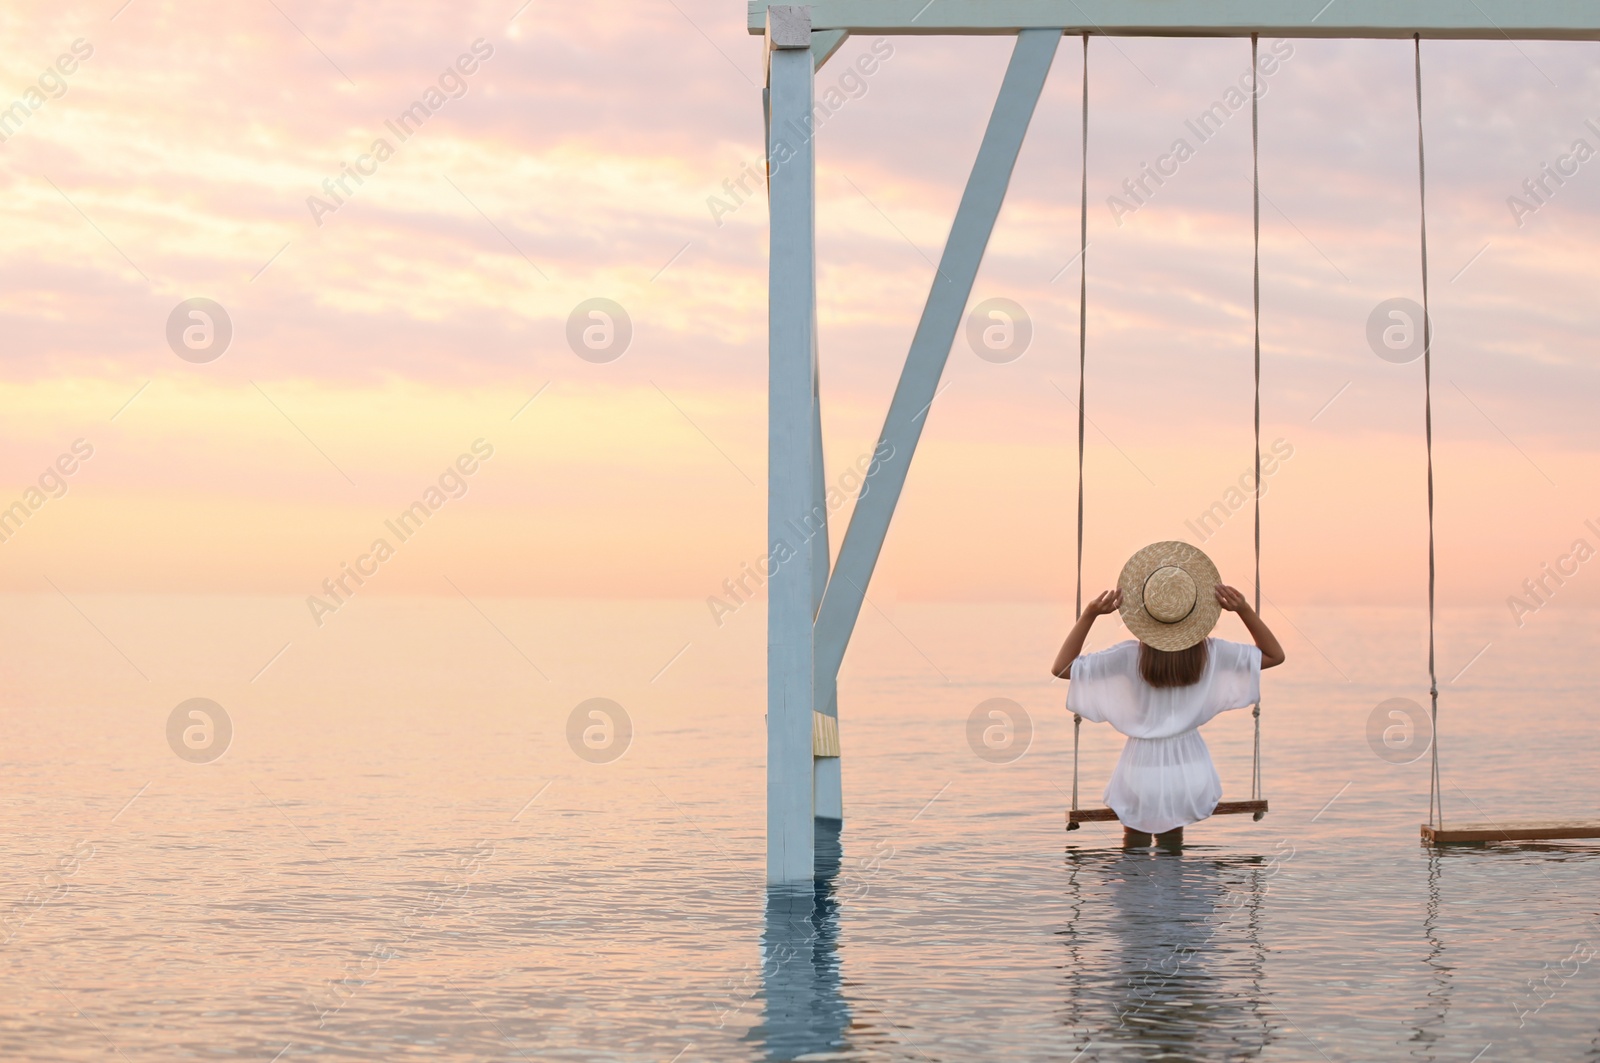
<point>1134,839</point>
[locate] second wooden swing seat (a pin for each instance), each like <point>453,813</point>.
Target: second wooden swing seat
<point>1511,830</point>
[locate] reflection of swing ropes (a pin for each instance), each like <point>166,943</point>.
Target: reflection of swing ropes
<point>1430,1027</point>
<point>1257,805</point>
<point>1071,935</point>
<point>1259,951</point>
<point>1177,999</point>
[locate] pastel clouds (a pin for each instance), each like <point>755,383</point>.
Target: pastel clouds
<point>578,163</point>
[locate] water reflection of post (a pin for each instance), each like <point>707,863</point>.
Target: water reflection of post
<point>802,1009</point>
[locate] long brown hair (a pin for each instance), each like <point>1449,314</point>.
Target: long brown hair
<point>1178,668</point>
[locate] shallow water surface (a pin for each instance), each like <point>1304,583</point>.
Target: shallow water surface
<point>403,855</point>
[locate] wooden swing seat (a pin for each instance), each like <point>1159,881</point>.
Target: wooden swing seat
<point>1105,815</point>
<point>1510,830</point>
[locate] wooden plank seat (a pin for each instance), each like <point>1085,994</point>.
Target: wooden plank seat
<point>1510,830</point>
<point>1105,815</point>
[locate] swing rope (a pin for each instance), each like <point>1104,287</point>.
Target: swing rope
<point>1083,353</point>
<point>1255,188</point>
<point>1435,796</point>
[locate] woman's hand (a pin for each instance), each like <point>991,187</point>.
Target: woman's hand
<point>1108,602</point>
<point>1230,599</point>
<point>1272,653</point>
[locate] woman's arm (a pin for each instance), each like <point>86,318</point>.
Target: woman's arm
<point>1271,652</point>
<point>1107,602</point>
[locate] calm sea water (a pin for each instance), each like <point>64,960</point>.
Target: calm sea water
<point>401,854</point>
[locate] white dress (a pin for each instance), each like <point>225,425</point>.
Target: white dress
<point>1165,778</point>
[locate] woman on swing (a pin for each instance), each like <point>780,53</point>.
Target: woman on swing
<point>1160,689</point>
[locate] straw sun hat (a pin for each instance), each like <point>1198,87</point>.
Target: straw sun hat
<point>1168,597</point>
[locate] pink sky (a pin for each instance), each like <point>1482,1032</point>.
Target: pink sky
<point>372,349</point>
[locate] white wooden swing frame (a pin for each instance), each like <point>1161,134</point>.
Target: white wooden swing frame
<point>812,610</point>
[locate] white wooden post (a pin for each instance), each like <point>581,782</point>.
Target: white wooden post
<point>827,781</point>
<point>791,444</point>
<point>930,347</point>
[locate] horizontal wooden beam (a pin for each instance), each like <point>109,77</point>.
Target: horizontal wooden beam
<point>1487,20</point>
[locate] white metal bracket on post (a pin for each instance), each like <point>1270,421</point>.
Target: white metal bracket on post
<point>824,44</point>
